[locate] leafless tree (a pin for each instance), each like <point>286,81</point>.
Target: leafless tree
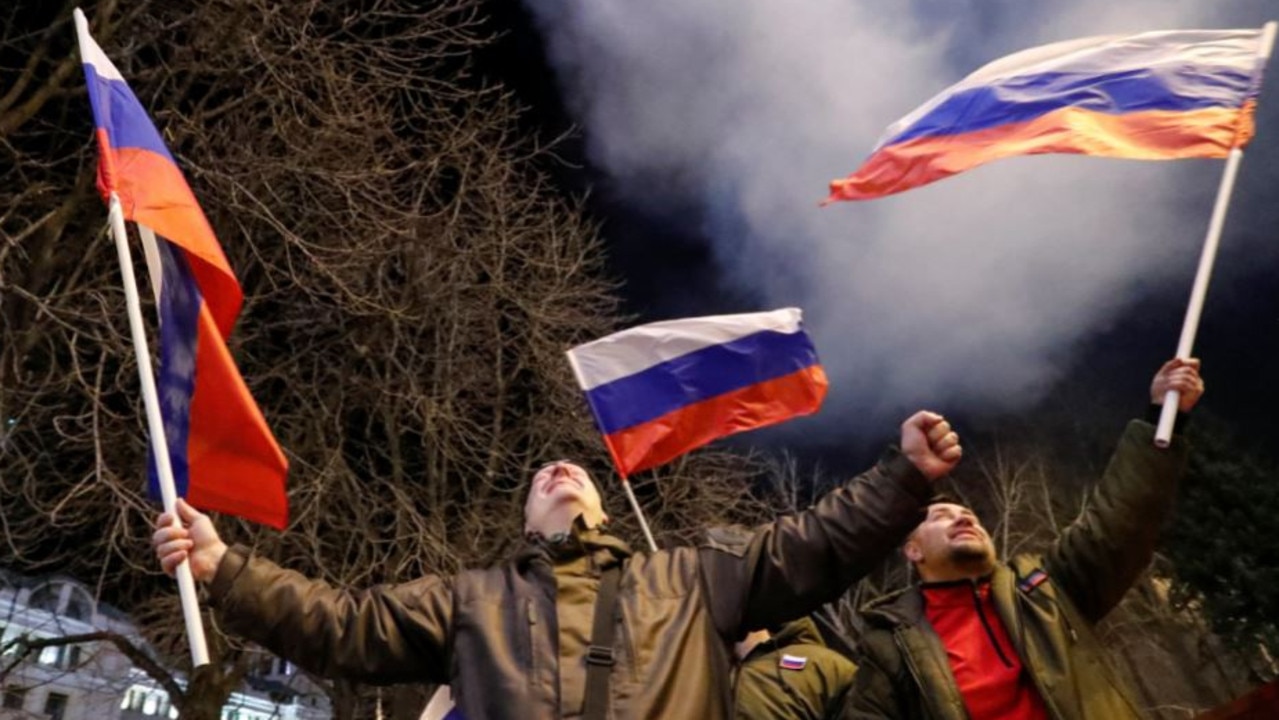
<point>411,283</point>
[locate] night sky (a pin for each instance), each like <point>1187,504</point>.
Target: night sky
<point>1077,281</point>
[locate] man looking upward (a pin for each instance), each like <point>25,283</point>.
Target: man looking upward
<point>523,639</point>
<point>979,639</point>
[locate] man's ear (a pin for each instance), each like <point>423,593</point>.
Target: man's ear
<point>912,552</point>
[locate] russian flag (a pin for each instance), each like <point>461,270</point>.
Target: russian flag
<point>224,456</point>
<point>1151,96</point>
<point>660,390</point>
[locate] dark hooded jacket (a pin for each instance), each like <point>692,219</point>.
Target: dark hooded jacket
<point>793,675</point>
<point>511,639</point>
<point>1048,603</point>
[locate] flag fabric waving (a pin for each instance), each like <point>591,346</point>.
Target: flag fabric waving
<point>224,456</point>
<point>660,390</point>
<point>1151,96</point>
<point>441,706</point>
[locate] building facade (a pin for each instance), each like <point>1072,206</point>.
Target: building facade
<point>95,681</point>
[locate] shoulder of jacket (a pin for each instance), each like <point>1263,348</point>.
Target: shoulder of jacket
<point>483,582</point>
<point>732,539</point>
<point>1024,564</point>
<point>884,610</point>
<point>825,659</point>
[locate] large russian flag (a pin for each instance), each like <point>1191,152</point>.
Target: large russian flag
<point>1152,96</point>
<point>660,390</point>
<point>224,456</point>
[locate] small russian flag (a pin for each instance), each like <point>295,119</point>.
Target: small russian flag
<point>1036,578</point>
<point>792,662</point>
<point>660,390</point>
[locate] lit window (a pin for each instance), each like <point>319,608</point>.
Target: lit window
<point>62,657</point>
<point>48,655</point>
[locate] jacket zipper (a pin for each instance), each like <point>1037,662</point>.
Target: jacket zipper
<point>985,623</point>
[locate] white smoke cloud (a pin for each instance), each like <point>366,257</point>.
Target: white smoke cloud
<point>972,291</point>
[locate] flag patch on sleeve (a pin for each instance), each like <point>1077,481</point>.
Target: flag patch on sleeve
<point>1036,578</point>
<point>792,662</point>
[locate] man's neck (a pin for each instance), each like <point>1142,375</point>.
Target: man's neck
<point>562,524</point>
<point>953,573</point>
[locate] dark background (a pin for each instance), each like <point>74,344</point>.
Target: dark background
<point>668,267</point>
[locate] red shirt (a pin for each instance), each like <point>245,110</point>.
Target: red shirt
<point>982,659</point>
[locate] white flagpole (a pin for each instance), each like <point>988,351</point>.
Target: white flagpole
<point>1168,414</point>
<point>440,705</point>
<point>159,444</point>
<point>648,534</point>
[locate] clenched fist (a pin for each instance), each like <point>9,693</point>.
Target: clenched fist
<point>929,443</point>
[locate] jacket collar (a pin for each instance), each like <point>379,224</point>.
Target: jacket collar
<point>580,540</point>
<point>906,606</point>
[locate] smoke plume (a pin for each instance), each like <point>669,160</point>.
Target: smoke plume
<point>973,291</point>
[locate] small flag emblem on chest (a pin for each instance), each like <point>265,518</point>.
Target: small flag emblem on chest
<point>792,662</point>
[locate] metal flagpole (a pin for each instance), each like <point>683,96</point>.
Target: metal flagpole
<point>159,444</point>
<point>1168,414</point>
<point>648,534</point>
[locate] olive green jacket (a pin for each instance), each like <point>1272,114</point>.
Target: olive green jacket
<point>493,634</point>
<point>811,686</point>
<point>902,667</point>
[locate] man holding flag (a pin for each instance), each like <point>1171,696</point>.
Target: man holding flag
<point>576,624</point>
<point>983,639</point>
<point>209,441</point>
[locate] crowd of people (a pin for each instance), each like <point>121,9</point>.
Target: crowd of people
<point>577,625</point>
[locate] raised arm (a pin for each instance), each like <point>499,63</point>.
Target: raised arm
<point>1101,554</point>
<point>790,567</point>
<point>383,635</point>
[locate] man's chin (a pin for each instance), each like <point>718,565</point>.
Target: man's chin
<point>972,554</point>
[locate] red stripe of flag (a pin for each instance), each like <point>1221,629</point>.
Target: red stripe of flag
<point>657,441</point>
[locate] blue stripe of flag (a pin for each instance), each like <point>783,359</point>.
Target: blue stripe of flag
<point>123,117</point>
<point>1023,98</point>
<point>180,302</point>
<point>698,376</point>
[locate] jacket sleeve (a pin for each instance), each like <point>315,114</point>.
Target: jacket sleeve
<point>382,635</point>
<point>872,695</point>
<point>1099,556</point>
<point>840,672</point>
<point>790,567</point>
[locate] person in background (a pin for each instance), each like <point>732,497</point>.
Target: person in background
<point>791,673</point>
<point>980,639</point>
